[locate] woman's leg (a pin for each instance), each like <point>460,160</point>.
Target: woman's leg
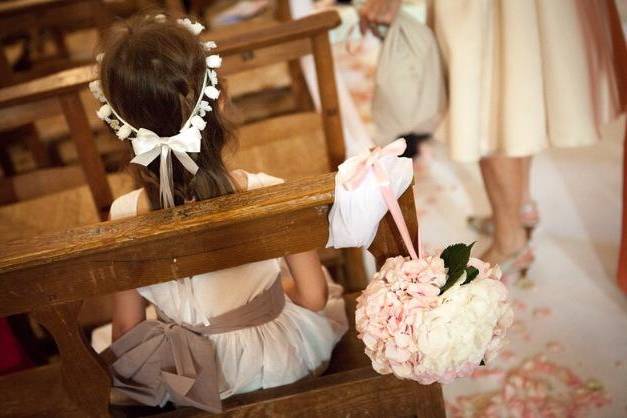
<point>503,180</point>
<point>526,174</point>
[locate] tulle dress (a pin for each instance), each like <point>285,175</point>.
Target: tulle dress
<point>298,343</point>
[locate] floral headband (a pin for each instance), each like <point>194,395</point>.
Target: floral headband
<point>147,145</point>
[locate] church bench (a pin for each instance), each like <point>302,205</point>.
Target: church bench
<point>68,206</point>
<point>28,18</point>
<point>64,88</point>
<point>271,145</point>
<point>303,143</point>
<point>51,274</point>
<point>284,42</point>
<point>279,11</point>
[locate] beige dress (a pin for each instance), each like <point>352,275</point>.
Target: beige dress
<point>524,74</point>
<point>294,345</point>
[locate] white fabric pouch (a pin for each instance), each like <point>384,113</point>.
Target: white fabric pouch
<point>356,213</point>
<point>409,93</point>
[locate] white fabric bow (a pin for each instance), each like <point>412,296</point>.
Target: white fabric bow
<point>148,146</point>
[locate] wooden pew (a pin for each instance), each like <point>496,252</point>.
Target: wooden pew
<point>285,43</point>
<point>280,12</point>
<point>304,143</point>
<point>50,275</point>
<point>37,25</point>
<point>266,146</point>
<point>30,17</point>
<point>64,88</point>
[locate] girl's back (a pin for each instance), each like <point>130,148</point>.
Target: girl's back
<point>296,344</point>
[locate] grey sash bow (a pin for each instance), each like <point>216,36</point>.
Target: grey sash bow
<point>162,357</point>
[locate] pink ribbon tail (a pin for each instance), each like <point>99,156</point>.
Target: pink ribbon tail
<point>419,238</point>
<point>395,209</point>
<point>397,215</point>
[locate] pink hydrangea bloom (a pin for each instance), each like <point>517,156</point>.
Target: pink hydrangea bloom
<point>412,331</point>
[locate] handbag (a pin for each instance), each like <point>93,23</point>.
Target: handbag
<point>409,91</point>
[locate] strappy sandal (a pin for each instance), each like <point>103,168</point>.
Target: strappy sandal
<point>529,218</point>
<point>517,265</point>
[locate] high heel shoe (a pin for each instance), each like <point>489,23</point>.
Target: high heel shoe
<point>518,264</point>
<point>529,218</point>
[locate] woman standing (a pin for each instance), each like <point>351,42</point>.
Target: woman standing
<point>523,75</point>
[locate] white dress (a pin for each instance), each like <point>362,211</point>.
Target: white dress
<point>296,344</point>
<point>525,74</point>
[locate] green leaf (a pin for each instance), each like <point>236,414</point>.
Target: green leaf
<point>449,283</point>
<point>455,260</point>
<point>471,274</point>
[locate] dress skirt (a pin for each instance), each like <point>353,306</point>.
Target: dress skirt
<point>524,75</point>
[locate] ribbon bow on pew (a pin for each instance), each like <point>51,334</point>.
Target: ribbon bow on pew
<point>359,166</point>
<point>366,187</point>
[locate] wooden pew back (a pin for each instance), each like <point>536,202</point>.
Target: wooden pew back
<point>31,17</point>
<point>299,38</point>
<point>279,43</point>
<point>65,87</point>
<point>50,275</point>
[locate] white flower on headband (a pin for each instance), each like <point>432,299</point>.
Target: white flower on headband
<point>124,132</point>
<point>99,57</point>
<point>198,122</point>
<point>193,27</point>
<point>104,112</point>
<point>214,61</point>
<point>96,90</point>
<point>209,45</point>
<point>212,92</point>
<point>213,76</point>
<point>160,18</point>
<point>204,108</point>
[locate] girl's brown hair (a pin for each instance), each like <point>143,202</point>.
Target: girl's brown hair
<point>152,74</point>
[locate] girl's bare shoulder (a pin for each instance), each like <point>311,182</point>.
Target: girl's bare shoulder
<point>240,177</point>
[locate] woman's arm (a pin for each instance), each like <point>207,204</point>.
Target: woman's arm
<point>128,311</point>
<point>308,288</point>
<point>375,12</point>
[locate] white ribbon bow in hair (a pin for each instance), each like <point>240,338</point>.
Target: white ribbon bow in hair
<point>148,146</point>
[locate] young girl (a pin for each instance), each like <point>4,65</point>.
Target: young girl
<point>158,86</point>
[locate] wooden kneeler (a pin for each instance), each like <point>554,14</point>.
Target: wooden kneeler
<point>50,275</point>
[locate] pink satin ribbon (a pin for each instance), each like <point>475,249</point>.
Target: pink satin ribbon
<point>357,173</point>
